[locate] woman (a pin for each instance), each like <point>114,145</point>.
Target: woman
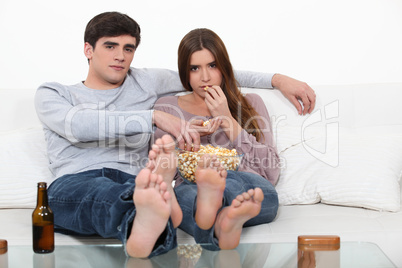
<point>221,203</point>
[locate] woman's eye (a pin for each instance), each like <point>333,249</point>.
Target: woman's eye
<point>193,68</point>
<point>212,65</point>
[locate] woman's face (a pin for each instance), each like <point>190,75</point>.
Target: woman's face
<point>203,72</point>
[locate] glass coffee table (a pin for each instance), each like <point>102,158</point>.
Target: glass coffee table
<point>350,254</point>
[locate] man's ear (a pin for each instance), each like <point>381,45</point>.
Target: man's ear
<point>88,50</point>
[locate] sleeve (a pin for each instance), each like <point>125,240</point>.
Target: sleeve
<point>164,82</point>
<point>254,79</point>
<point>86,122</point>
<point>164,104</point>
<point>259,157</point>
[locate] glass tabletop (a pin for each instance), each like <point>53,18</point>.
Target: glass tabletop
<point>350,254</point>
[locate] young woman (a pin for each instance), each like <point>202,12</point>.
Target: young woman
<point>216,208</point>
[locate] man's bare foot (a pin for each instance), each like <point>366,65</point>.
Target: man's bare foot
<point>230,220</point>
<point>211,182</point>
<point>163,161</point>
<point>153,206</point>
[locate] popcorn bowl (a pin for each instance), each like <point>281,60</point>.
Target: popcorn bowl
<point>187,161</point>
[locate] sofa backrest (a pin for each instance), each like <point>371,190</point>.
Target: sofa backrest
<point>17,109</point>
<point>357,105</point>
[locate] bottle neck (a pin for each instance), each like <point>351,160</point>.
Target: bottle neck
<point>42,195</point>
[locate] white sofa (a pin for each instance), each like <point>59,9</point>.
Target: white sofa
<point>341,168</point>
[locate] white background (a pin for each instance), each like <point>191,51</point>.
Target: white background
<point>317,41</point>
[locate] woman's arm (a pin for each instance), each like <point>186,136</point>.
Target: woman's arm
<point>259,156</point>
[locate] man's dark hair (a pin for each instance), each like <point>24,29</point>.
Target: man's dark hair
<point>111,24</point>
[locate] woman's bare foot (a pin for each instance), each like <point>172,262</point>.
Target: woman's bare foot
<point>230,220</point>
<point>211,182</point>
<point>163,161</point>
<point>153,206</point>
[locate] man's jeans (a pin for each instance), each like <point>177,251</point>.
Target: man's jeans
<point>100,202</point>
<point>236,183</point>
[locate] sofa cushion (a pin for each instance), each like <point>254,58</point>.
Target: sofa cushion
<point>363,169</point>
<point>23,163</point>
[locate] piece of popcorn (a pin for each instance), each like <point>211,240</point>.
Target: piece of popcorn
<point>205,123</point>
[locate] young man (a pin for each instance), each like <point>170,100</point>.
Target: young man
<point>98,134</point>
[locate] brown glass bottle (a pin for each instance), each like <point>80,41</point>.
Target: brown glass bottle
<point>42,223</point>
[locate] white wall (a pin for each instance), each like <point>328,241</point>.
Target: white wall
<point>318,41</point>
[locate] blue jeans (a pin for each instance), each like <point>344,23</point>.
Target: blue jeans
<point>236,183</point>
<point>100,202</point>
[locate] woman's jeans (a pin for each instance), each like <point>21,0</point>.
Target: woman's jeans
<point>237,182</point>
<point>100,202</point>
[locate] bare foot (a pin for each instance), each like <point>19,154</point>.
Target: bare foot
<point>163,161</point>
<point>153,206</point>
<point>230,220</point>
<point>211,182</point>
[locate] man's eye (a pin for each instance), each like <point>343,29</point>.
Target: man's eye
<point>109,47</point>
<point>129,49</point>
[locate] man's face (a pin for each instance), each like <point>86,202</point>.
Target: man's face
<point>110,61</point>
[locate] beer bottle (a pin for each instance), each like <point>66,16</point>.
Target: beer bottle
<point>3,254</point>
<point>42,223</point>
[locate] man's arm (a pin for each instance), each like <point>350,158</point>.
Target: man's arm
<point>294,90</point>
<point>187,138</point>
<point>87,122</point>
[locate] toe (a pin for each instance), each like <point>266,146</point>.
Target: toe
<point>142,179</point>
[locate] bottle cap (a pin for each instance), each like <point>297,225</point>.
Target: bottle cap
<point>3,246</point>
<point>42,184</point>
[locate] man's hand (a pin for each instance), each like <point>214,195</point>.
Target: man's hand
<point>295,91</point>
<point>207,127</point>
<point>187,138</point>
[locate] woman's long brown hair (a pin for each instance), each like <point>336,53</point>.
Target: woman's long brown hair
<point>239,107</point>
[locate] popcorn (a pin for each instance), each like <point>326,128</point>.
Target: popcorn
<point>188,161</point>
<point>205,123</point>
<point>190,252</point>
<point>206,88</point>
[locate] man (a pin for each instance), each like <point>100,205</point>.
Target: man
<point>98,133</point>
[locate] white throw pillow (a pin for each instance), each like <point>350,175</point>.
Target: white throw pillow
<point>360,168</point>
<point>24,163</point>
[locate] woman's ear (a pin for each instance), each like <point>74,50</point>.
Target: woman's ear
<point>88,50</point>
